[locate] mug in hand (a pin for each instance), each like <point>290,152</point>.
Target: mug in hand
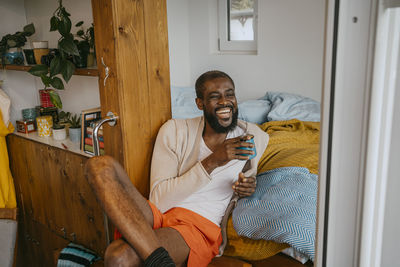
<point>249,138</point>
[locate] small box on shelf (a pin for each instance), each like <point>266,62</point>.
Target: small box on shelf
<point>25,126</point>
<point>52,111</point>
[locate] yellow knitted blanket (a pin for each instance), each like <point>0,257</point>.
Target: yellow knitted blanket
<point>292,143</point>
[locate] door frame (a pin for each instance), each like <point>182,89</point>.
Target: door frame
<point>357,111</point>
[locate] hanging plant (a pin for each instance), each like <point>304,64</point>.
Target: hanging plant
<point>61,62</point>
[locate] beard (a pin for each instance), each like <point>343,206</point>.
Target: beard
<point>213,121</point>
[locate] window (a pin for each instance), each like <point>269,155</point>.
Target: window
<point>237,25</point>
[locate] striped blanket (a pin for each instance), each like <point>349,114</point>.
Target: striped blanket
<point>282,209</point>
<point>291,143</point>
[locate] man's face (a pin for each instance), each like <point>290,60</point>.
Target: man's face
<point>219,105</point>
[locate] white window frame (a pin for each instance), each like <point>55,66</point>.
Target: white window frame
<point>224,44</point>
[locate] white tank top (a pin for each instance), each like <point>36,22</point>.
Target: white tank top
<point>211,200</point>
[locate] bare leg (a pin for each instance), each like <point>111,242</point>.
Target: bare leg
<point>119,253</point>
<point>129,211</point>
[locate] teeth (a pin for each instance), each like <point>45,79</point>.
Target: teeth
<point>223,110</point>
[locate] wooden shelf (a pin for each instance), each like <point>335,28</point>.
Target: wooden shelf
<point>82,72</point>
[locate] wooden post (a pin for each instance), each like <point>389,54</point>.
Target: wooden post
<point>133,43</point>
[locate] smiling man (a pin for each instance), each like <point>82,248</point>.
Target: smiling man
<point>197,165</point>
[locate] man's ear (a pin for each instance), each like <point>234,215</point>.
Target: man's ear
<point>199,103</point>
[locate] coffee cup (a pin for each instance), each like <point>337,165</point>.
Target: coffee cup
<point>249,138</point>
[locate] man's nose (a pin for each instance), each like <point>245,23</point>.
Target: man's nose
<point>222,100</point>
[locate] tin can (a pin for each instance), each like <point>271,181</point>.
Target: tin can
<point>44,124</point>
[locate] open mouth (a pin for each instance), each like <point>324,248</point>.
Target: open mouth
<point>224,113</point>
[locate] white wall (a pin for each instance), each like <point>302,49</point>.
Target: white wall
<point>290,47</point>
<point>11,11</point>
<point>178,38</point>
<point>19,86</point>
<point>81,92</point>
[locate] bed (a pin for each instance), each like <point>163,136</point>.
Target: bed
<point>281,215</point>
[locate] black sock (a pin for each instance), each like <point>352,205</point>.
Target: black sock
<point>159,258</point>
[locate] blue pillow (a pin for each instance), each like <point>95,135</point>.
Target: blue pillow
<point>183,103</point>
<point>255,111</point>
<point>286,106</point>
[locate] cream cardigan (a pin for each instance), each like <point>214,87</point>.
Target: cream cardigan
<point>175,170</point>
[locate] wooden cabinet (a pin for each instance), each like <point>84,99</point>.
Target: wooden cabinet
<point>56,204</point>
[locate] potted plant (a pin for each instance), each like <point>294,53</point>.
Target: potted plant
<point>60,63</point>
<point>85,46</point>
<point>10,45</point>
<point>59,132</point>
<point>74,128</point>
<point>63,119</point>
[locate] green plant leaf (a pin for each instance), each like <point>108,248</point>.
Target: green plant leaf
<point>46,80</point>
<point>11,43</point>
<point>29,29</point>
<point>55,99</point>
<point>55,66</point>
<point>53,23</point>
<point>57,83</point>
<point>68,47</point>
<point>39,70</point>
<point>75,121</point>
<point>67,69</point>
<point>64,12</point>
<point>64,26</point>
<point>79,23</point>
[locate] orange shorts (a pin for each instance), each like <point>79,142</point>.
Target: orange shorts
<point>201,235</point>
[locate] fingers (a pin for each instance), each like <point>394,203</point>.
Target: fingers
<point>245,186</point>
<point>237,149</point>
<point>244,192</point>
<point>239,142</point>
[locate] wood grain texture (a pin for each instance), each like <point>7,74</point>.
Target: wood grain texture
<point>133,86</point>
<point>52,191</point>
<point>156,29</point>
<point>134,44</point>
<point>37,246</point>
<point>109,90</point>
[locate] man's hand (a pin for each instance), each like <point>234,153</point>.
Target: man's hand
<point>245,186</point>
<point>227,151</point>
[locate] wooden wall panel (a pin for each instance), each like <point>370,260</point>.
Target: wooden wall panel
<point>140,73</point>
<point>109,93</point>
<point>156,30</point>
<point>132,76</point>
<point>38,246</point>
<point>53,192</point>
